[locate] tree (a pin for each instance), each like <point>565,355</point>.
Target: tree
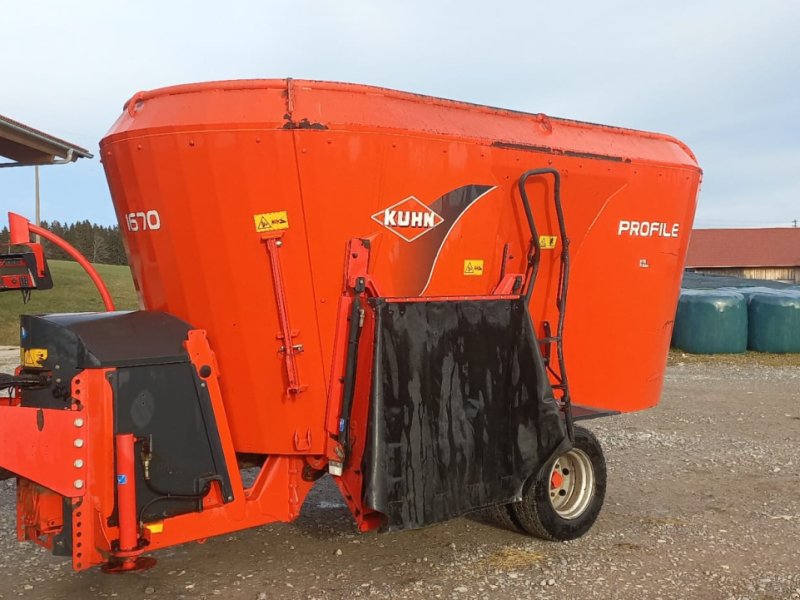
<point>99,247</point>
<point>97,243</point>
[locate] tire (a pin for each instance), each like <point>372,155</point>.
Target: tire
<point>502,515</point>
<point>566,497</point>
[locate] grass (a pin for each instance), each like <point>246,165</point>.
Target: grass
<point>72,291</point>
<point>745,358</point>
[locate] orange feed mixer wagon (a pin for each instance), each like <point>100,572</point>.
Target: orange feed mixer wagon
<point>417,296</point>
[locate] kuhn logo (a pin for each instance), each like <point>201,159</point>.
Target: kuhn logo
<point>408,219</point>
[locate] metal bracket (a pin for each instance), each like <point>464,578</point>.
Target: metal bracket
<point>287,334</point>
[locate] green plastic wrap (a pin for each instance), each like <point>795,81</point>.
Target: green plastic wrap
<point>711,322</point>
<point>749,292</point>
<point>774,322</point>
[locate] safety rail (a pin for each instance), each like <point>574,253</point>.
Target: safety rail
<point>534,257</point>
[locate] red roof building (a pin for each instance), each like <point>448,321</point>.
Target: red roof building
<point>772,253</point>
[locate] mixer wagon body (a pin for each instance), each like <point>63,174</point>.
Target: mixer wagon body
<point>333,265</point>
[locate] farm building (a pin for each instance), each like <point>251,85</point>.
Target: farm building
<point>772,253</point>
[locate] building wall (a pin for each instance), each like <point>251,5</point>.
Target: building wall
<point>786,274</point>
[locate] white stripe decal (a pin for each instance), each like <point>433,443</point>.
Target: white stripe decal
<point>447,235</point>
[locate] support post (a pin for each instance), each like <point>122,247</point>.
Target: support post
<point>38,240</point>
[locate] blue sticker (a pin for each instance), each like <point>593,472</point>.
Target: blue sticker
<point>23,333</point>
<point>122,479</point>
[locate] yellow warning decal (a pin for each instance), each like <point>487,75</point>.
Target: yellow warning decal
<point>473,267</point>
<point>547,242</point>
<point>274,221</point>
<point>157,527</point>
<point>33,357</point>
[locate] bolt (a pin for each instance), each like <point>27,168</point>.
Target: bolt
<point>78,443</point>
<point>279,243</point>
<point>78,422</point>
<point>78,463</point>
<point>78,483</point>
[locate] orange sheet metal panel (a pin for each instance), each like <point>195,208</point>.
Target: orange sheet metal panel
<point>201,173</point>
<point>43,445</point>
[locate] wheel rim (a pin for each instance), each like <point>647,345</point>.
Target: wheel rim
<point>571,484</point>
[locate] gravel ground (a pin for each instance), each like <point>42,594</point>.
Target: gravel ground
<point>703,502</point>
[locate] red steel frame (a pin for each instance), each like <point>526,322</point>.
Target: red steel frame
<point>102,467</point>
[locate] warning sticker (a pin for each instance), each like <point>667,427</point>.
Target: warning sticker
<point>547,242</point>
<point>274,221</point>
<point>155,527</point>
<point>473,267</point>
<point>33,357</point>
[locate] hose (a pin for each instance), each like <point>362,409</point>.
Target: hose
<point>26,380</point>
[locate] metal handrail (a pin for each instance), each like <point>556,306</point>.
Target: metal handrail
<point>563,279</point>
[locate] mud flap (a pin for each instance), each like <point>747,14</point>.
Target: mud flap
<point>461,413</point>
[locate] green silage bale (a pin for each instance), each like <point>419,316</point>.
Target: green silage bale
<point>711,322</point>
<point>774,322</point>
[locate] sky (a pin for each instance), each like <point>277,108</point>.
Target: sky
<point>721,75</point>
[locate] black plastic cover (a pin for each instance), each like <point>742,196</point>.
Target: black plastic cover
<point>167,405</point>
<point>462,413</point>
<point>110,339</point>
<point>77,341</point>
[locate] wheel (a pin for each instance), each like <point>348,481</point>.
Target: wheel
<point>502,515</point>
<point>564,501</point>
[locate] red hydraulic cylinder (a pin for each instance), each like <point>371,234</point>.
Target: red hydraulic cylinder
<point>126,492</point>
<point>128,556</point>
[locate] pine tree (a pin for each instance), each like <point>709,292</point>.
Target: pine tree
<point>97,243</point>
